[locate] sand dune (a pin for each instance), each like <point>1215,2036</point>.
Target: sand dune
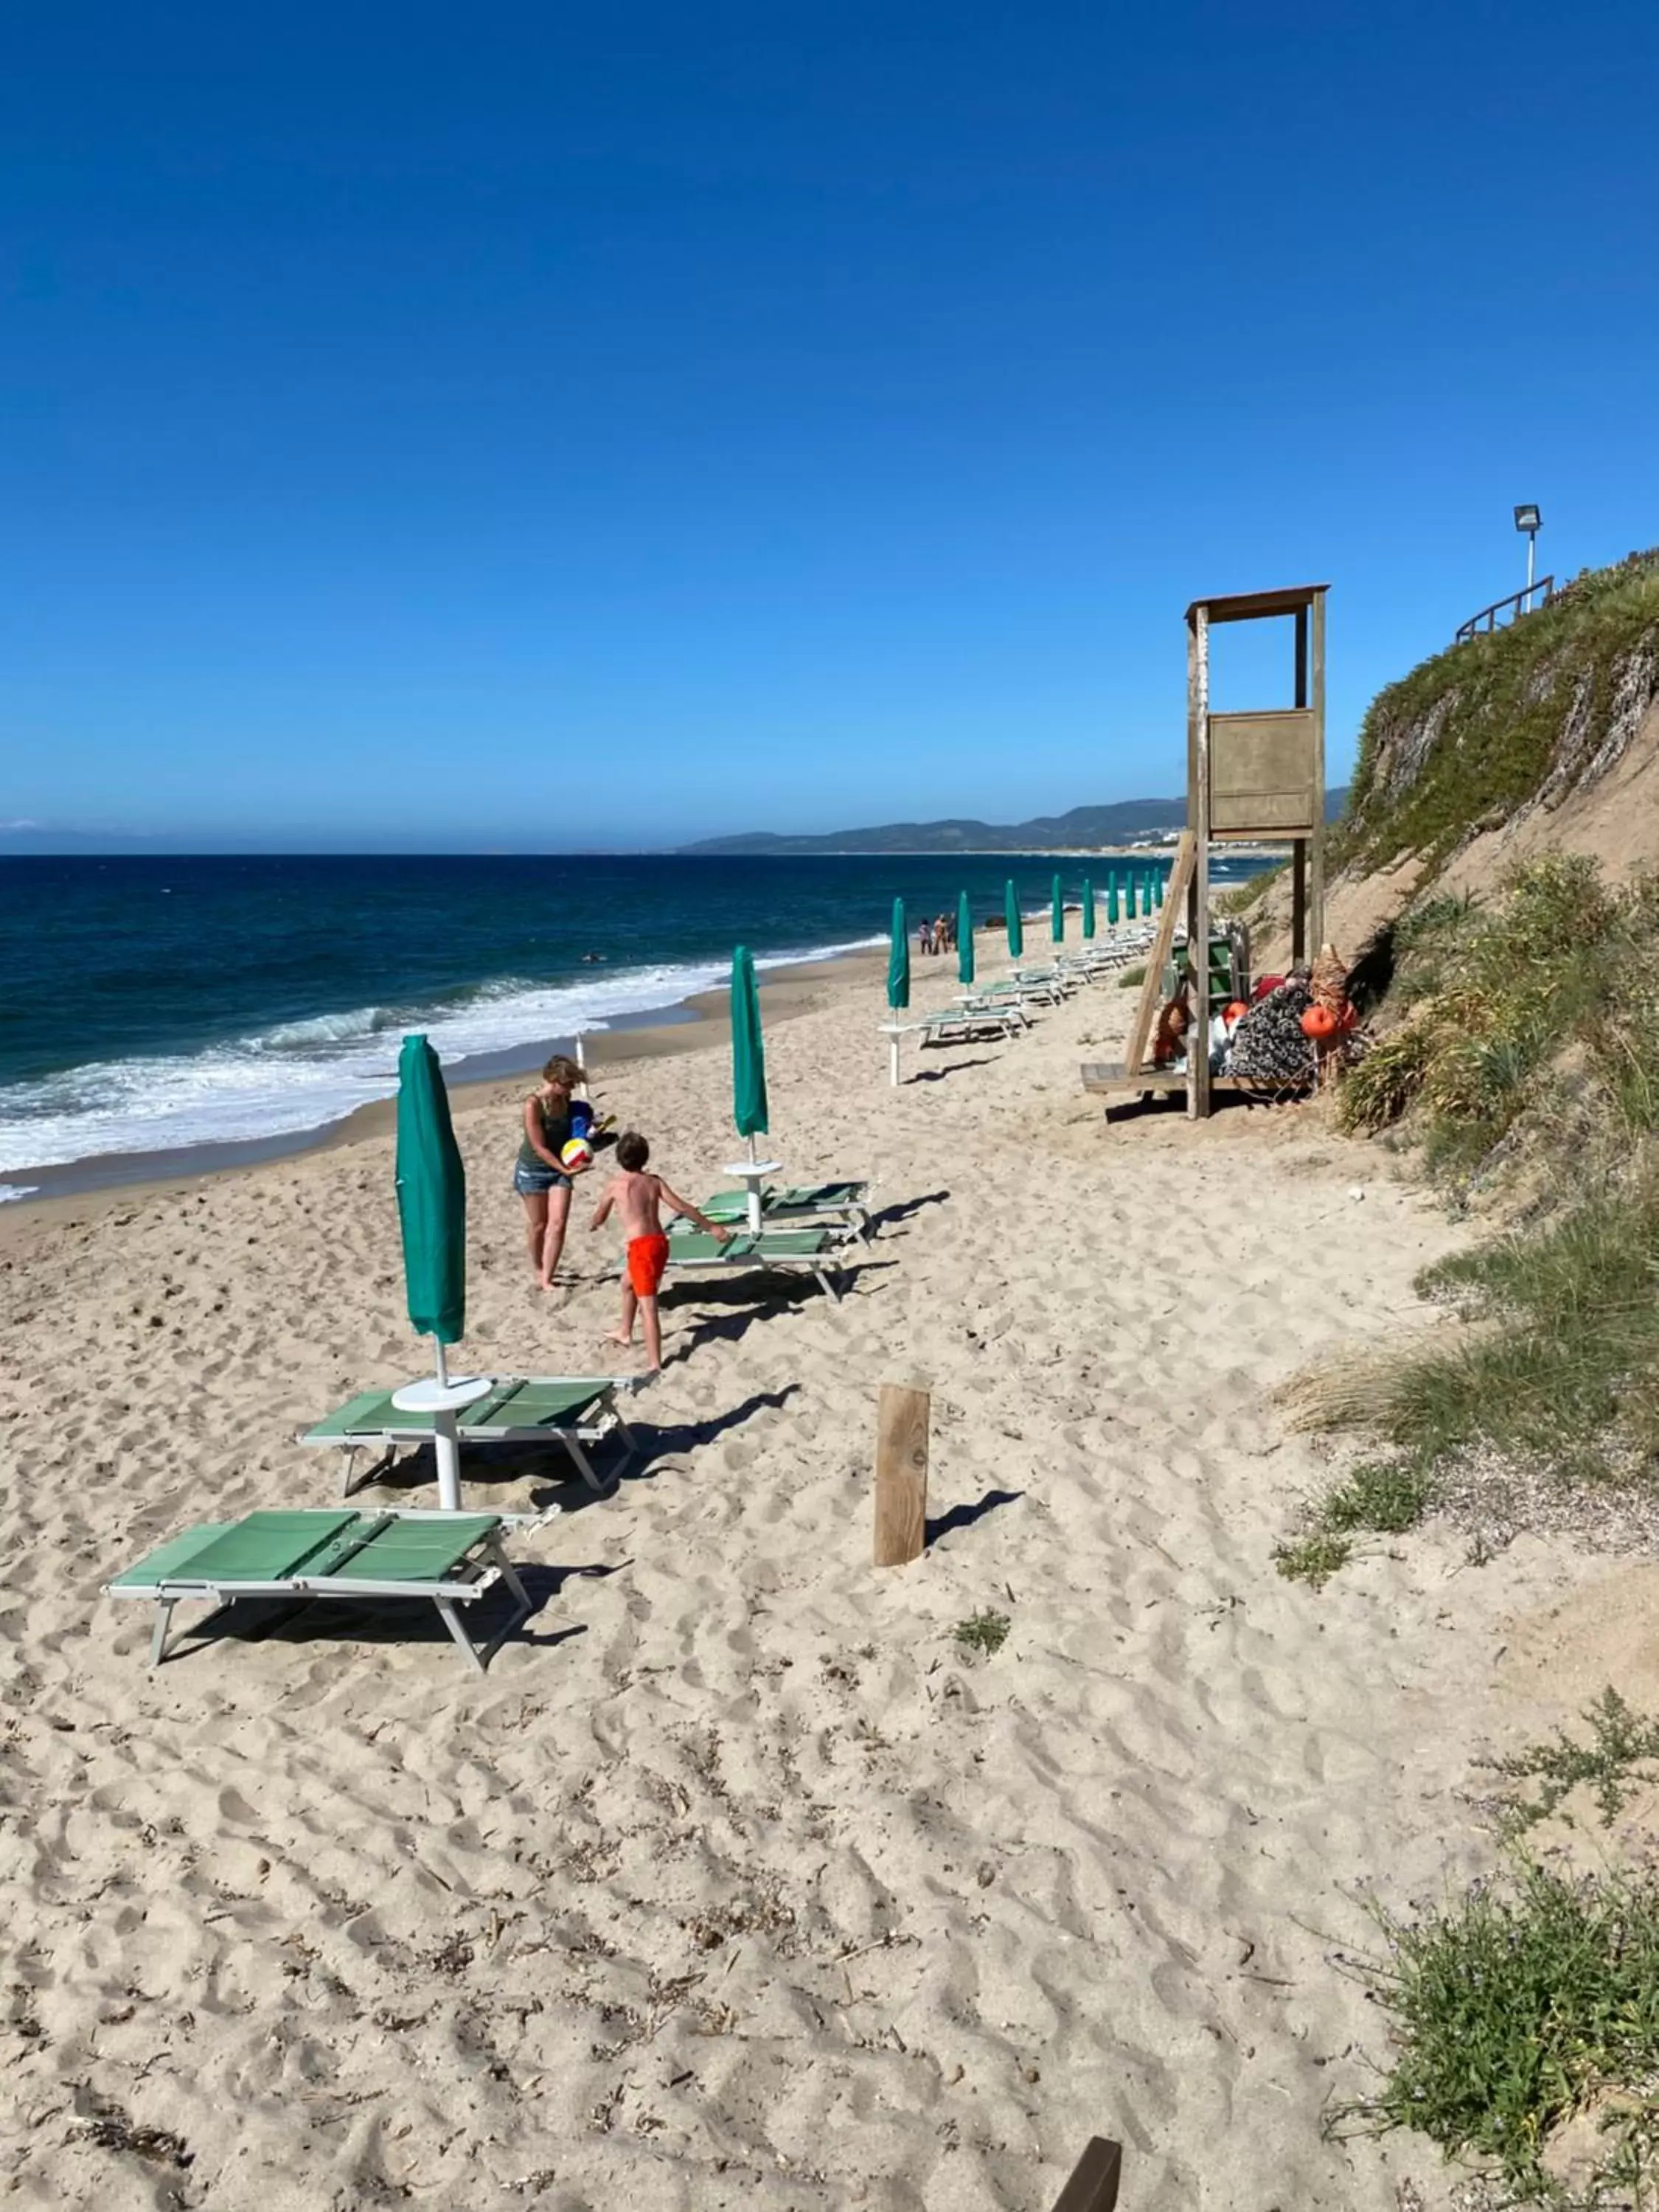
<point>736,1882</point>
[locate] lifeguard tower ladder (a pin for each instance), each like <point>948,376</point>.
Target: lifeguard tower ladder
<point>1252,777</point>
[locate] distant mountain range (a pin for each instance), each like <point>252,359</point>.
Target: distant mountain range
<point>1046,833</point>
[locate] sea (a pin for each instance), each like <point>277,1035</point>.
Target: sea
<point>157,1012</point>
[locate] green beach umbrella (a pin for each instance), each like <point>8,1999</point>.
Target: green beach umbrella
<point>898,962</point>
<point>1010,915</point>
<point>1158,889</point>
<point>1057,914</point>
<point>964,940</point>
<point>1111,898</point>
<point>1088,906</point>
<point>748,1052</point>
<point>431,1200</point>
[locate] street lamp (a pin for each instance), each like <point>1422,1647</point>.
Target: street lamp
<point>1529,520</point>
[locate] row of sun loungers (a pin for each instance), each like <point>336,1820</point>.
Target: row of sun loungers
<point>1002,1010</point>
<point>448,1559</point>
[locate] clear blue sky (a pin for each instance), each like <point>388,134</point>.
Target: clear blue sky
<point>546,425</point>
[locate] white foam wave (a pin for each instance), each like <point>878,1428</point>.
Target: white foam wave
<point>301,1076</point>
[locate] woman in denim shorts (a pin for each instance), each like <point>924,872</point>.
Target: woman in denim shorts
<point>538,1176</point>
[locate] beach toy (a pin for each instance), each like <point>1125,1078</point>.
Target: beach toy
<point>578,1153</point>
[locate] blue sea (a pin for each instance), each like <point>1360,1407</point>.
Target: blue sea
<point>156,1004</point>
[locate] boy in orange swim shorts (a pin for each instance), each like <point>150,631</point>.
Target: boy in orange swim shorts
<point>638,1199</point>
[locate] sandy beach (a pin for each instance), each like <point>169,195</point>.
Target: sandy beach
<point>737,1881</point>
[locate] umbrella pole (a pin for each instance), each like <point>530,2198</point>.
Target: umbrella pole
<point>892,1062</point>
<point>753,1190</point>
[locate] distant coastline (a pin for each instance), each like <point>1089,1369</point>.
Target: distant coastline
<point>1122,830</point>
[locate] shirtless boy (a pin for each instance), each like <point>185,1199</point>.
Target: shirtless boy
<point>637,1198</point>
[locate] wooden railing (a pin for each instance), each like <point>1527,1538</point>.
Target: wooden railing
<point>1516,605</point>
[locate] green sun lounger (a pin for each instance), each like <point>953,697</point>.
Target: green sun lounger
<point>574,1411</point>
<point>787,1251</point>
<point>446,1560</point>
<point>799,1202</point>
<point>967,1025</point>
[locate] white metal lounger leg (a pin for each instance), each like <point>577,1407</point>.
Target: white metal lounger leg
<point>484,1654</point>
<point>452,1622</point>
<point>158,1642</point>
<point>584,1465</point>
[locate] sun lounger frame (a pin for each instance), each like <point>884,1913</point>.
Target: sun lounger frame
<point>471,1581</point>
<point>966,1024</point>
<point>779,1206</point>
<point>820,1265</point>
<point>602,1420</point>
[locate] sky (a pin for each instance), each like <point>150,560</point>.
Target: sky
<point>544,428</point>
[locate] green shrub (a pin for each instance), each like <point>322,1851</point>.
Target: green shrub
<point>1621,1746</point>
<point>1387,1496</point>
<point>1515,2008</point>
<point>1314,1558</point>
<point>985,1632</point>
<point>1495,708</point>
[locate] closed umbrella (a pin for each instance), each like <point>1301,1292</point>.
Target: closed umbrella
<point>1056,915</point>
<point>964,941</point>
<point>1088,906</point>
<point>1111,897</point>
<point>1010,915</point>
<point>432,1214</point>
<point>748,1075</point>
<point>899,985</point>
<point>1158,889</point>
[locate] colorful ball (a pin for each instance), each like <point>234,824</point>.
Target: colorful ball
<point>578,1153</point>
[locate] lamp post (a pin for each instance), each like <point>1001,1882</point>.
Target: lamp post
<point>1529,520</point>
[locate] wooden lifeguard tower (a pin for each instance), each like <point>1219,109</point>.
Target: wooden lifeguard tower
<point>1253,777</point>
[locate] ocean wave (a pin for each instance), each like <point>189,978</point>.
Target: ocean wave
<point>301,1076</point>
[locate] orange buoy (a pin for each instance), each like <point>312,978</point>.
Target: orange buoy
<point>1318,1021</point>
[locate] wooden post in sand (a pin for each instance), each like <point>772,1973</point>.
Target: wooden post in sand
<point>1093,2184</point>
<point>902,1418</point>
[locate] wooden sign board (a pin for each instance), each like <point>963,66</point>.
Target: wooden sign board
<point>1264,774</point>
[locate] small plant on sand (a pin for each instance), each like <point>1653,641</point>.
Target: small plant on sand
<point>984,1633</point>
<point>1131,976</point>
<point>1387,1496</point>
<point>1313,1558</point>
<point>1615,1759</point>
<point>1381,1497</point>
<point>1517,2009</point>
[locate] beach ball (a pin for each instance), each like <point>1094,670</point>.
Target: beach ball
<point>578,1153</point>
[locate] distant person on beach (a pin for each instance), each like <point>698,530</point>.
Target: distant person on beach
<point>540,1175</point>
<point>925,937</point>
<point>637,1199</point>
<point>944,935</point>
